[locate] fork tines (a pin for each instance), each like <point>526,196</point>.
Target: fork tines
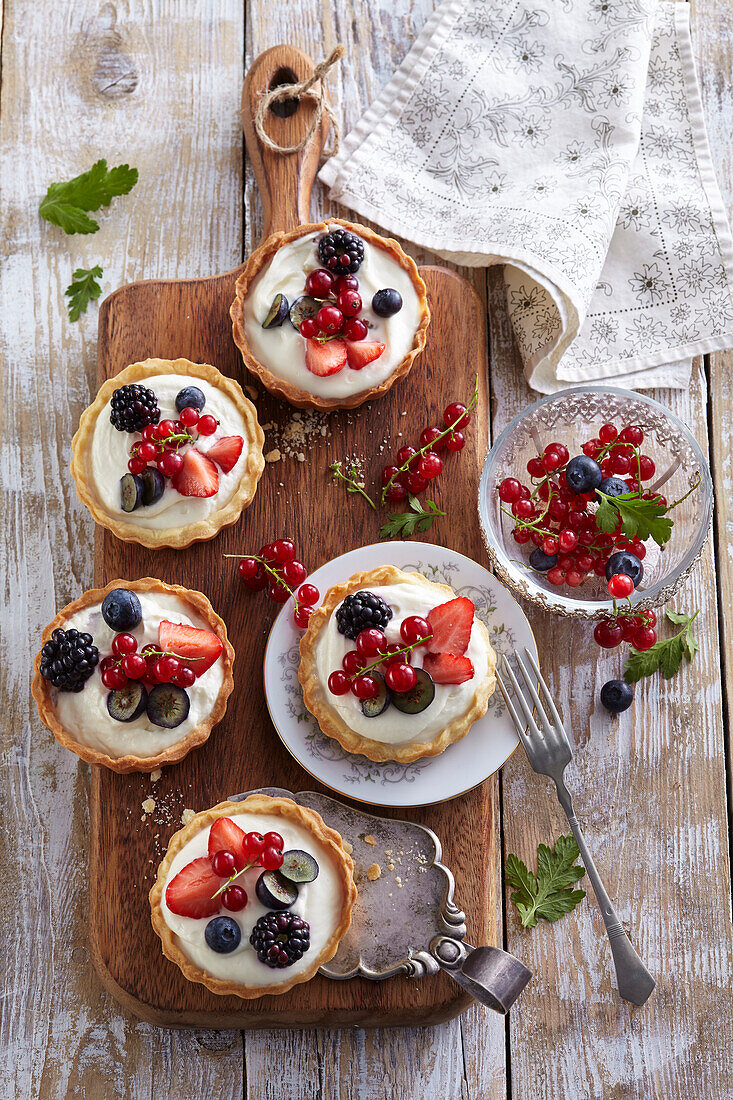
<point>528,727</point>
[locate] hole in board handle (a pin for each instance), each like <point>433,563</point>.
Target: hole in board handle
<point>283,108</point>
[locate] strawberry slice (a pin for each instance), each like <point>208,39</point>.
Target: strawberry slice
<point>226,452</point>
<point>198,477</point>
<point>189,894</point>
<point>448,668</point>
<point>226,836</point>
<point>451,624</point>
<point>190,642</point>
<point>361,352</point>
<point>325,359</point>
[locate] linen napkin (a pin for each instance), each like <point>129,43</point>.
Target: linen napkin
<point>564,139</point>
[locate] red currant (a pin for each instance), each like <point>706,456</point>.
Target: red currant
<point>147,451</point>
<point>455,416</point>
<point>632,434</point>
<point>338,683</point>
<point>429,466</point>
<point>608,634</point>
<point>370,642</point>
<point>351,662</point>
<point>620,463</point>
<point>329,319</point>
<point>254,844</point>
<point>165,669</point>
<point>585,563</point>
<point>406,454</point>
<point>509,490</point>
<point>166,428</point>
<point>523,509</point>
<point>365,687</point>
<point>429,437</point>
<point>274,840</point>
<point>107,662</point>
<point>551,459</point>
<point>415,482</point>
<point>170,464</point>
<point>283,550</point>
<point>535,468</point>
<point>393,655</point>
<point>647,469</point>
<point>620,586</point>
<point>308,328</point>
<point>456,441</point>
<point>592,448</point>
<point>650,617</point>
<point>248,568</point>
<point>277,592</point>
<point>207,425</point>
<point>396,493</point>
<point>567,540</point>
<point>413,628</point>
<point>556,575</point>
<point>136,465</point>
<point>256,580</point>
<point>400,677</point>
<point>148,432</point>
<point>271,858</point>
<point>607,433</point>
<point>308,594</point>
<point>549,545</point>
<point>223,863</point>
<point>388,473</point>
<point>573,578</point>
<point>124,643</point>
<point>354,329</point>
<point>319,283</point>
<point>189,416</point>
<point>644,638</point>
<point>301,616</point>
<point>346,282</point>
<point>521,535</point>
<point>294,573</point>
<point>184,678</point>
<point>349,303</point>
<point>234,898</point>
<point>134,666</point>
<point>114,678</point>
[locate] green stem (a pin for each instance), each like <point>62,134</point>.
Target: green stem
<point>337,473</point>
<point>687,494</point>
<point>225,885</point>
<point>405,649</point>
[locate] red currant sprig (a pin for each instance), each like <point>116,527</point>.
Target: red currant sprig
<point>355,676</point>
<point>160,443</point>
<point>262,851</point>
<point>157,665</point>
<point>417,466</point>
<point>277,569</point>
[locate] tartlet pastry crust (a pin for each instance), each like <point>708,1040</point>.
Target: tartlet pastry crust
<point>256,804</point>
<point>202,530</point>
<point>302,399</point>
<point>41,688</point>
<point>315,693</point>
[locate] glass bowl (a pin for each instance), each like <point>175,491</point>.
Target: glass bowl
<point>572,417</point>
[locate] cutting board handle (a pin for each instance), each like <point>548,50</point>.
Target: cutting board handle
<point>285,180</point>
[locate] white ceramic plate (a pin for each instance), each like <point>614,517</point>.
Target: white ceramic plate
<point>463,765</point>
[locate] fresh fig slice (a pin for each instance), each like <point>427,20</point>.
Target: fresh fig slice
<point>419,698</point>
<point>127,703</point>
<point>168,705</point>
<point>299,866</point>
<point>278,312</point>
<point>303,307</point>
<point>153,485</point>
<point>372,708</point>
<point>276,892</point>
<point>131,492</point>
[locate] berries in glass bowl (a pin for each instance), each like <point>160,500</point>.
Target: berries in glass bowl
<point>588,475</point>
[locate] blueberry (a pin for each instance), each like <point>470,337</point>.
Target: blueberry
<point>387,302</point>
<point>613,487</point>
<point>191,397</point>
<point>121,609</point>
<point>222,934</point>
<point>625,562</point>
<point>617,695</point>
<point>583,474</point>
<point>541,561</point>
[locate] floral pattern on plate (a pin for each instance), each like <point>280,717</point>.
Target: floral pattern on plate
<point>487,745</point>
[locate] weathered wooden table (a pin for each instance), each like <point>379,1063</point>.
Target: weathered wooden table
<point>157,84</point>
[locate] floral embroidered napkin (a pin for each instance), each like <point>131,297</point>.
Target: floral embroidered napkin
<point>565,140</point>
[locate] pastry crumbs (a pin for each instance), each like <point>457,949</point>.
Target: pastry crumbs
<point>155,776</point>
<point>187,816</point>
<point>369,839</point>
<point>273,455</point>
<point>149,805</point>
<point>347,846</point>
<point>374,872</point>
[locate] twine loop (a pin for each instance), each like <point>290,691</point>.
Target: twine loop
<point>304,89</point>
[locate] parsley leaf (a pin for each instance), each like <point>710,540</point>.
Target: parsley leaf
<point>404,524</point>
<point>546,894</point>
<point>665,655</point>
<point>640,518</point>
<point>83,290</point>
<point>65,203</point>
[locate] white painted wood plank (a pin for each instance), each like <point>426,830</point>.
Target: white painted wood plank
<point>158,87</point>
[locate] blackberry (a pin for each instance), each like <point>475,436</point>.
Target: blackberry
<point>360,612</point>
<point>280,939</point>
<point>341,251</point>
<point>133,407</point>
<point>68,659</point>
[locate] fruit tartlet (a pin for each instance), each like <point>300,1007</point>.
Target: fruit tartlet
<point>168,453</point>
<point>134,675</point>
<point>330,315</point>
<point>395,666</point>
<point>253,897</point>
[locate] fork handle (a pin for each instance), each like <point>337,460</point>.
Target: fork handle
<point>634,981</point>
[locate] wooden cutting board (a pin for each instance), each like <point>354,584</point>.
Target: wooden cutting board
<point>190,318</point>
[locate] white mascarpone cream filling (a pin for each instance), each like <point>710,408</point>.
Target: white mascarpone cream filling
<point>84,714</point>
<point>111,451</point>
<point>282,349</point>
<point>319,902</point>
<point>392,727</point>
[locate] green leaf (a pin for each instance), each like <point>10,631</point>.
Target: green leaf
<point>65,203</point>
<point>546,895</point>
<point>666,654</point>
<point>678,617</point>
<point>83,290</point>
<point>404,524</point>
<point>640,518</point>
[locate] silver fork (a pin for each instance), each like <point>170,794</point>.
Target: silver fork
<point>548,749</point>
